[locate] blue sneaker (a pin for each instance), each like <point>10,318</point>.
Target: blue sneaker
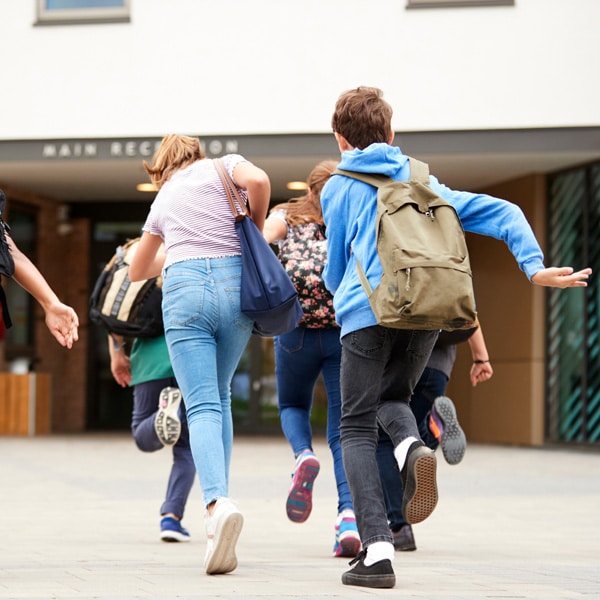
<point>347,540</point>
<point>171,530</point>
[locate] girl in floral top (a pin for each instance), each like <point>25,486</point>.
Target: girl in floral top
<point>312,348</point>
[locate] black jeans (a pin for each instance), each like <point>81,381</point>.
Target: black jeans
<point>380,369</point>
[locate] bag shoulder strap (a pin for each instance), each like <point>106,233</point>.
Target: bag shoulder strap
<point>371,178</point>
<point>419,171</point>
<point>232,192</point>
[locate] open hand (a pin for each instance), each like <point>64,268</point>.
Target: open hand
<point>562,277</point>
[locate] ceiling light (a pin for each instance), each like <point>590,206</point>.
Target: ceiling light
<point>297,185</point>
<point>146,187</point>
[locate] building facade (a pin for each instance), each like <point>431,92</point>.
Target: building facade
<point>497,96</point>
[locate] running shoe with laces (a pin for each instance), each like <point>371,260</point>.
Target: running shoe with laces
<point>171,530</point>
<point>223,528</point>
<point>378,575</point>
<point>444,425</point>
<point>167,423</point>
<point>347,541</point>
<point>299,500</point>
<point>419,483</point>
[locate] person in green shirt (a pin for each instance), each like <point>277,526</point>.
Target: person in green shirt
<point>158,420</point>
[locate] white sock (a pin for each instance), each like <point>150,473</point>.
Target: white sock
<point>347,512</point>
<point>401,451</point>
<point>379,551</point>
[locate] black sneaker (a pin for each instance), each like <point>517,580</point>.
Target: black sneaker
<point>419,483</point>
<point>404,539</point>
<point>378,575</point>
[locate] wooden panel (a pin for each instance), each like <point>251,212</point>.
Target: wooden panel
<point>24,404</point>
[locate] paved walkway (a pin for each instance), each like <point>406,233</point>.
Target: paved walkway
<point>79,521</point>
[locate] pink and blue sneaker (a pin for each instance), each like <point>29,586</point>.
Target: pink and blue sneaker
<point>347,540</point>
<point>299,500</point>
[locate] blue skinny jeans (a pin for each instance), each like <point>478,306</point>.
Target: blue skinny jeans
<point>206,335</point>
<point>300,356</point>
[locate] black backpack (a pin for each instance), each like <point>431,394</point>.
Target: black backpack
<point>125,308</point>
<point>7,264</point>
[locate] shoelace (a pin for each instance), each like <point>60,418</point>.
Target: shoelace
<point>359,556</point>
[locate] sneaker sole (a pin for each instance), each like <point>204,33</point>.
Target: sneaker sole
<point>166,423</point>
<point>174,536</point>
<point>299,501</point>
<point>349,546</point>
<point>223,558</point>
<point>454,441</point>
<point>372,581</point>
<point>420,494</point>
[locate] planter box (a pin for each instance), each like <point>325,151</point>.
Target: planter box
<point>24,404</point>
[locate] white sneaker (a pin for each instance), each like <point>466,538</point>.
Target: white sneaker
<point>223,528</point>
<point>167,423</point>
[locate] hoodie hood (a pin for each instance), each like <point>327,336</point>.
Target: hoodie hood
<point>377,158</point>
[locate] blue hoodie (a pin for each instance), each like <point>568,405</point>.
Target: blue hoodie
<point>349,210</point>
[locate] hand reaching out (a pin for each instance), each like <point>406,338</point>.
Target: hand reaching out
<point>562,277</point>
<point>62,321</point>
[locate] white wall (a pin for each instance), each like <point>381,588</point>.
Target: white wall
<point>277,66</point>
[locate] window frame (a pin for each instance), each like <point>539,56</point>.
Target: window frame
<point>82,16</point>
<point>411,4</point>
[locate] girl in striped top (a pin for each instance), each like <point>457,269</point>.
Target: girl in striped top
<point>205,330</point>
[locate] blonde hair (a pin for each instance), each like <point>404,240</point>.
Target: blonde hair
<point>175,152</point>
<point>307,208</point>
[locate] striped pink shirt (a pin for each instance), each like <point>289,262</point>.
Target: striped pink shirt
<point>192,214</point>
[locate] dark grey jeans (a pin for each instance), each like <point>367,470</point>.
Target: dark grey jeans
<point>380,369</point>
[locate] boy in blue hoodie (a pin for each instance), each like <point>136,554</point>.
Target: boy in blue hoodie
<point>381,366</point>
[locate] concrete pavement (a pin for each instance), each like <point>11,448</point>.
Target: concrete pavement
<point>79,520</point>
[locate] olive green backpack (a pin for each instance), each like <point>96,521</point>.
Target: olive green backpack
<point>426,282</point>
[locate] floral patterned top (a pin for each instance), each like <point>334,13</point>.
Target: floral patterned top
<point>303,254</point>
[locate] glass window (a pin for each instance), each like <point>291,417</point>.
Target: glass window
<point>454,3</point>
<point>60,12</point>
<point>573,315</point>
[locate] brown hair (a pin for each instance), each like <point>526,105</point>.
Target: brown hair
<point>175,152</point>
<point>307,208</point>
<point>363,117</point>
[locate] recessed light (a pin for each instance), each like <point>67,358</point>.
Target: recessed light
<point>146,187</point>
<point>297,185</point>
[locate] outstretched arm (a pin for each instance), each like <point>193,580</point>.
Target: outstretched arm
<point>562,277</point>
<point>61,320</point>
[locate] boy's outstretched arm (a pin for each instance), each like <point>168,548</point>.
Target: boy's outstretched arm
<point>61,320</point>
<point>562,277</point>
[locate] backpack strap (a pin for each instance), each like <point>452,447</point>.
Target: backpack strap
<point>371,178</point>
<point>419,171</point>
